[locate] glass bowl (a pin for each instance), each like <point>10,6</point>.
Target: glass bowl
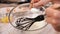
<point>21,12</point>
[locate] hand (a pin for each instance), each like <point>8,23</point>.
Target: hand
<point>53,17</point>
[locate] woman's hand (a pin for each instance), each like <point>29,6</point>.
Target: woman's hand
<point>53,17</point>
<point>39,3</point>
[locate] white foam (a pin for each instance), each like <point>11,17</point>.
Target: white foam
<point>38,25</point>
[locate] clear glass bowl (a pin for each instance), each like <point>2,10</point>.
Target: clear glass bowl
<point>19,12</point>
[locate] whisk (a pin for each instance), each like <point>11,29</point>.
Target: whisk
<point>26,23</point>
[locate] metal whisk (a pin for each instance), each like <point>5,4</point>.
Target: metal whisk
<point>26,23</point>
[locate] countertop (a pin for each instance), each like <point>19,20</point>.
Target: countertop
<point>8,5</point>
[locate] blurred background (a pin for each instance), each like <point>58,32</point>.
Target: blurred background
<point>12,2</point>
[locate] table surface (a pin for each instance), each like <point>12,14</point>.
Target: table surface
<point>8,5</point>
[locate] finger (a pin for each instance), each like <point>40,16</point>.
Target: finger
<point>34,1</point>
<point>35,5</point>
<point>32,4</point>
<point>53,21</point>
<point>50,20</point>
<point>52,13</point>
<point>55,6</point>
